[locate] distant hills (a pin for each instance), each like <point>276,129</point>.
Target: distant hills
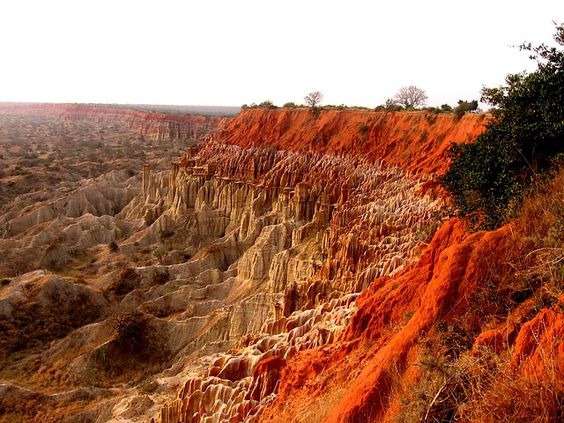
<point>204,110</point>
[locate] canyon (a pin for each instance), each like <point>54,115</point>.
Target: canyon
<point>155,125</point>
<point>277,265</point>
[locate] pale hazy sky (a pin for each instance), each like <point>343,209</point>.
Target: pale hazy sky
<point>233,52</point>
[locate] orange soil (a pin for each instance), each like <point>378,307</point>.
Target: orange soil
<point>352,380</point>
<point>415,141</point>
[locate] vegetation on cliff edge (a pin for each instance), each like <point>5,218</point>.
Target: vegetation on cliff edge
<point>523,141</point>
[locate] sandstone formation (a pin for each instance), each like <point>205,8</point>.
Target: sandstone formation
<point>382,344</point>
<point>299,250</point>
<point>286,267</point>
<point>415,141</point>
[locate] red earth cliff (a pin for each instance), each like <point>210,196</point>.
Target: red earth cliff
<point>414,141</point>
<point>287,268</point>
<point>360,378</point>
<point>457,290</point>
<point>449,293</point>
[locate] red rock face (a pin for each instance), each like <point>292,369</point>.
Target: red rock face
<point>336,237</point>
<point>351,219</point>
<point>154,125</point>
<point>451,266</point>
<point>415,141</point>
<point>436,288</point>
<point>357,377</point>
<point>321,270</point>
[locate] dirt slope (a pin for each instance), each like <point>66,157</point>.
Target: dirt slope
<point>415,141</point>
<point>290,266</point>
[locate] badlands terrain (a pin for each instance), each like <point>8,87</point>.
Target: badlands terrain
<point>278,265</point>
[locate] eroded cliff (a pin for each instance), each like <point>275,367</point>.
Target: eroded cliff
<point>300,250</point>
<point>414,141</point>
<point>281,270</point>
<point>364,218</point>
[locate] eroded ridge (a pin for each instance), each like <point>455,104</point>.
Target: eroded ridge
<point>227,266</point>
<point>304,234</point>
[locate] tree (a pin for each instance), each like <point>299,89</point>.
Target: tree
<point>524,140</point>
<point>313,99</point>
<point>410,97</point>
<point>267,104</point>
<point>392,106</point>
<point>465,106</point>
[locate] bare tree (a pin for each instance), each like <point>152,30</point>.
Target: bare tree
<point>410,97</point>
<point>313,98</point>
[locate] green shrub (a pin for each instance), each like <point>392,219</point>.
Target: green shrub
<point>523,140</point>
<point>445,108</point>
<point>465,106</point>
<point>162,276</point>
<point>127,280</point>
<point>267,104</point>
<point>392,106</point>
<point>290,104</point>
<point>132,332</point>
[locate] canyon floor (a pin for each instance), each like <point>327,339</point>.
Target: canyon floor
<point>278,265</point>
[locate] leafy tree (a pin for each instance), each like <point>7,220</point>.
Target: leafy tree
<point>465,106</point>
<point>525,136</point>
<point>268,104</point>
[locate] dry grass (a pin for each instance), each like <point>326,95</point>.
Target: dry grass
<point>540,228</point>
<point>504,395</point>
<point>478,386</point>
<point>459,384</point>
<point>15,265</point>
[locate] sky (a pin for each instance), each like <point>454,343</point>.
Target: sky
<point>231,52</point>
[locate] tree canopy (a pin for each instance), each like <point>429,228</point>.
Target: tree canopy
<point>523,140</point>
